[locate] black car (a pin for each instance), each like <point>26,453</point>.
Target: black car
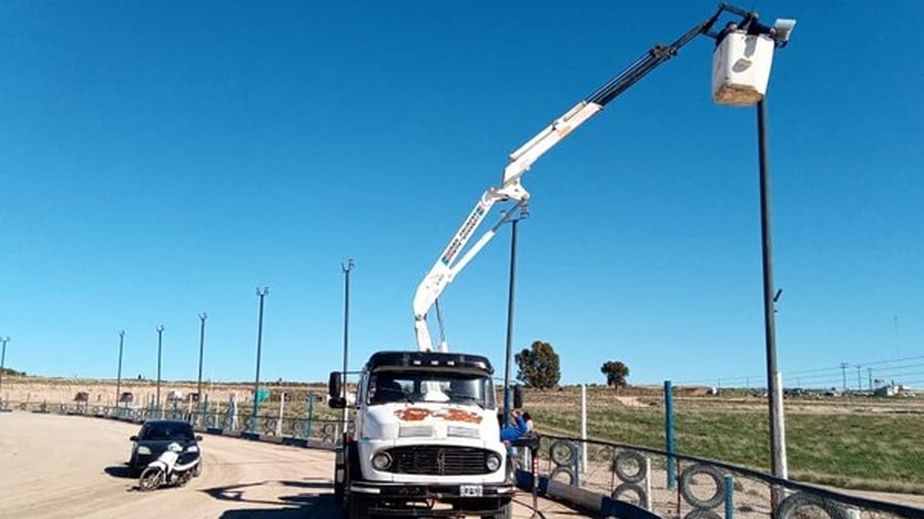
<point>154,438</point>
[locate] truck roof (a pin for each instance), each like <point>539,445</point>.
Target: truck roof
<point>429,359</point>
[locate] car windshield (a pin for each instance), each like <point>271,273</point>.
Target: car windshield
<point>167,431</point>
<point>431,386</point>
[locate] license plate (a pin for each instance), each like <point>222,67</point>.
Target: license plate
<point>471,490</point>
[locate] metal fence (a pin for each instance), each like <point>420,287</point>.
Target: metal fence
<point>629,482</point>
<point>229,420</point>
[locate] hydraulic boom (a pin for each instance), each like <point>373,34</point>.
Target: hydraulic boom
<point>449,263</point>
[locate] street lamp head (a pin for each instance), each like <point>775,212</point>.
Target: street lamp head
<point>203,316</point>
<point>781,30</point>
<point>159,329</point>
<point>121,333</point>
<point>262,291</point>
<point>348,266</point>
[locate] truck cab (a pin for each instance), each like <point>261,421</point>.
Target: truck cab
<point>426,439</point>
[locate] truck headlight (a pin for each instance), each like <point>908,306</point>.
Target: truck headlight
<point>492,462</point>
<point>381,461</point>
<point>143,450</point>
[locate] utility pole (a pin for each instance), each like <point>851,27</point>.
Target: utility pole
<point>508,358</point>
<point>202,317</point>
<point>869,372</point>
<point>160,342</point>
<point>778,465</point>
<point>119,375</point>
<point>346,268</point>
<point>261,293</point>
<point>859,380</point>
<point>4,340</point>
<point>844,374</point>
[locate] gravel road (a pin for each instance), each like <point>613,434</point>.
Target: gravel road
<point>55,466</point>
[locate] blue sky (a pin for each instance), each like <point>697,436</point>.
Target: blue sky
<point>161,159</point>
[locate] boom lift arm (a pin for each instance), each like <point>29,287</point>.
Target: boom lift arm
<point>449,264</point>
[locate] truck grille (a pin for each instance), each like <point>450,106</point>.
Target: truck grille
<point>437,460</point>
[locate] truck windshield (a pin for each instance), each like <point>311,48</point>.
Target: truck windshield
<point>413,387</point>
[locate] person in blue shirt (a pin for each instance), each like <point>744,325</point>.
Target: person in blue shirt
<point>513,432</point>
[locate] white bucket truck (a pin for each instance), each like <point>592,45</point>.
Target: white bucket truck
<point>426,439</point>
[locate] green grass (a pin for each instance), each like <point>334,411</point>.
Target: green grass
<point>876,452</point>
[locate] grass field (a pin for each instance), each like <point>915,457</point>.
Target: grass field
<point>867,450</point>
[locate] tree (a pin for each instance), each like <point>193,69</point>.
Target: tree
<point>538,366</point>
<point>616,373</point>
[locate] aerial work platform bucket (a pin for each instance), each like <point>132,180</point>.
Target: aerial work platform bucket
<point>741,68</point>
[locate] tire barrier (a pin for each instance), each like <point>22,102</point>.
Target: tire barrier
<point>700,513</point>
<point>563,453</point>
<point>789,506</point>
<point>686,483</point>
<point>329,433</point>
<point>620,492</point>
<point>623,463</point>
<point>558,471</point>
<point>269,426</point>
<point>211,420</point>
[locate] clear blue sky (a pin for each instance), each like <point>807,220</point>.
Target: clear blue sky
<point>158,159</point>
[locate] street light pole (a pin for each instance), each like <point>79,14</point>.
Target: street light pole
<point>510,306</point>
<point>346,268</point>
<point>202,317</point>
<point>4,340</point>
<point>119,374</point>
<point>774,381</point>
<point>160,342</point>
<point>261,293</point>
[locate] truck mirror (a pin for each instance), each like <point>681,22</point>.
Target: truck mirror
<point>336,402</point>
<point>517,397</point>
<point>334,385</point>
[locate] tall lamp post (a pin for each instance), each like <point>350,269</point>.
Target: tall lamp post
<point>202,317</point>
<point>346,268</point>
<point>4,340</point>
<point>160,343</point>
<point>261,293</point>
<point>755,36</point>
<point>774,379</point>
<point>510,305</point>
<point>119,372</point>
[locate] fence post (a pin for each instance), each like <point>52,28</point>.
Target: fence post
<point>583,427</point>
<point>729,496</point>
<point>310,415</point>
<point>282,407</point>
<point>669,434</point>
<point>648,499</point>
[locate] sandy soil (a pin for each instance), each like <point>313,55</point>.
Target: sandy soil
<point>70,466</point>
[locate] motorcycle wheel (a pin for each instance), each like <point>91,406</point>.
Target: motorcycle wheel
<point>151,478</point>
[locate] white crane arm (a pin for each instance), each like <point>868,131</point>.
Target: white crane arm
<point>446,267</point>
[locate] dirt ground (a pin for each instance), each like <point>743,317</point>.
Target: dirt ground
<point>55,466</point>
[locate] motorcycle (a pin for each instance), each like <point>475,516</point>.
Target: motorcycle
<point>166,469</point>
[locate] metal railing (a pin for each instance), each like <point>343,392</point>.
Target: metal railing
<point>630,481</point>
<point>320,432</point>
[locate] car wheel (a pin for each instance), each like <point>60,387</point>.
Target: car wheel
<point>197,470</point>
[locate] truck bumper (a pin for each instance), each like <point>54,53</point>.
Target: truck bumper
<point>415,500</point>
